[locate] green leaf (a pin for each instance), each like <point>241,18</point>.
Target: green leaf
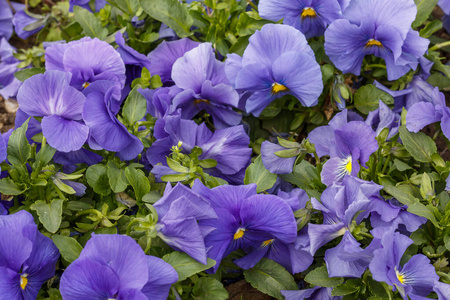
<point>91,25</point>
<point>401,195</point>
<point>419,145</point>
<point>19,150</point>
<point>424,9</point>
<point>69,248</point>
<point>401,166</point>
<point>44,156</point>
<point>97,177</point>
<point>9,187</point>
<point>269,277</point>
<point>431,28</point>
<point>209,288</point>
<point>63,187</point>
<point>135,106</point>
<point>49,213</point>
<point>248,25</point>
<point>319,276</point>
<point>257,173</point>
<point>367,98</point>
<point>24,74</point>
<point>439,80</point>
<point>116,175</point>
<point>170,12</point>
<point>185,265</point>
<point>138,181</point>
<point>424,211</point>
<point>306,177</point>
<point>128,6</point>
<point>347,288</point>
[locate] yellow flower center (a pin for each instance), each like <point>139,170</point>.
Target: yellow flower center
<point>276,88</point>
<point>267,243</point>
<point>239,233</point>
<point>308,12</point>
<point>373,42</point>
<point>198,101</point>
<point>86,84</point>
<point>23,281</point>
<point>400,277</point>
<point>348,166</point>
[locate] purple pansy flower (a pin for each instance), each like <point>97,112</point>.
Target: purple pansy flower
<point>115,267</point>
<point>278,61</point>
<point>134,61</point>
<point>9,84</point>
<point>27,257</point>
<point>202,77</point>
<point>88,60</point>
<point>21,20</point>
<point>346,143</point>
<point>415,278</point>
<point>178,211</point>
<point>384,117</point>
<point>6,15</point>
<point>340,204</point>
<point>245,219</point>
<point>274,163</point>
<point>99,111</point>
<point>315,293</point>
<point>165,55</point>
<point>159,100</point>
<point>381,28</point>
<point>229,146</point>
<point>311,17</point>
<point>50,96</point>
<point>441,289</point>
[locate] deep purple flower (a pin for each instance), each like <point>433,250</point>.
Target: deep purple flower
<point>21,20</point>
<point>274,163</point>
<point>315,293</point>
<point>159,100</point>
<point>27,257</point>
<point>381,28</point>
<point>99,4</point>
<point>384,117</point>
<point>88,60</point>
<point>229,146</point>
<point>346,143</point>
<point>165,55</point>
<point>311,17</point>
<point>202,77</point>
<point>178,211</point>
<point>50,96</point>
<point>245,219</point>
<point>115,267</point>
<point>99,114</point>
<point>9,84</point>
<point>134,61</point>
<point>416,277</point>
<point>278,61</point>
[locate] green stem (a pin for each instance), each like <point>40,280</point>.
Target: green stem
<point>388,291</point>
<point>130,225</point>
<point>436,134</point>
<point>368,67</point>
<point>386,164</point>
<point>439,46</point>
<point>250,2</point>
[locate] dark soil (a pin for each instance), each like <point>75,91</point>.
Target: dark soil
<point>6,116</point>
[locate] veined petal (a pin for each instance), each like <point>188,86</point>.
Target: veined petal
<point>420,274</point>
<point>322,234</point>
<point>161,276</point>
<point>420,115</point>
<point>64,135</point>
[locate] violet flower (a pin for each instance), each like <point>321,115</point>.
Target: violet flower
<point>202,77</point>
<point>381,28</point>
<point>88,60</point>
<point>21,20</point>
<point>99,4</point>
<point>245,219</point>
<point>6,15</point>
<point>274,163</point>
<point>384,117</point>
<point>116,267</point>
<point>311,17</point>
<point>159,100</point>
<point>9,84</point>
<point>315,293</point>
<point>415,278</point>
<point>179,210</point>
<point>99,111</point>
<point>50,96</point>
<point>278,61</point>
<point>346,143</point>
<point>27,257</point>
<point>442,290</point>
<point>229,146</point>
<point>165,55</point>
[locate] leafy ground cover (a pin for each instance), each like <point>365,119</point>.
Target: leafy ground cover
<point>225,149</point>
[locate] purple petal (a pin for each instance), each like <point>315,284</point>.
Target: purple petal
<point>420,115</point>
<point>274,163</point>
<point>322,234</point>
<point>322,137</point>
<point>10,282</point>
<point>161,276</point>
<point>14,249</point>
<point>64,135</point>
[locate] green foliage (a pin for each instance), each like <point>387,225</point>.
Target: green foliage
<point>19,150</point>
<point>69,248</point>
<point>185,265</point>
<point>90,23</point>
<point>367,98</point>
<point>50,213</point>
<point>319,276</point>
<point>257,173</point>
<point>419,145</point>
<point>209,288</point>
<point>135,107</point>
<point>424,9</point>
<point>270,278</point>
